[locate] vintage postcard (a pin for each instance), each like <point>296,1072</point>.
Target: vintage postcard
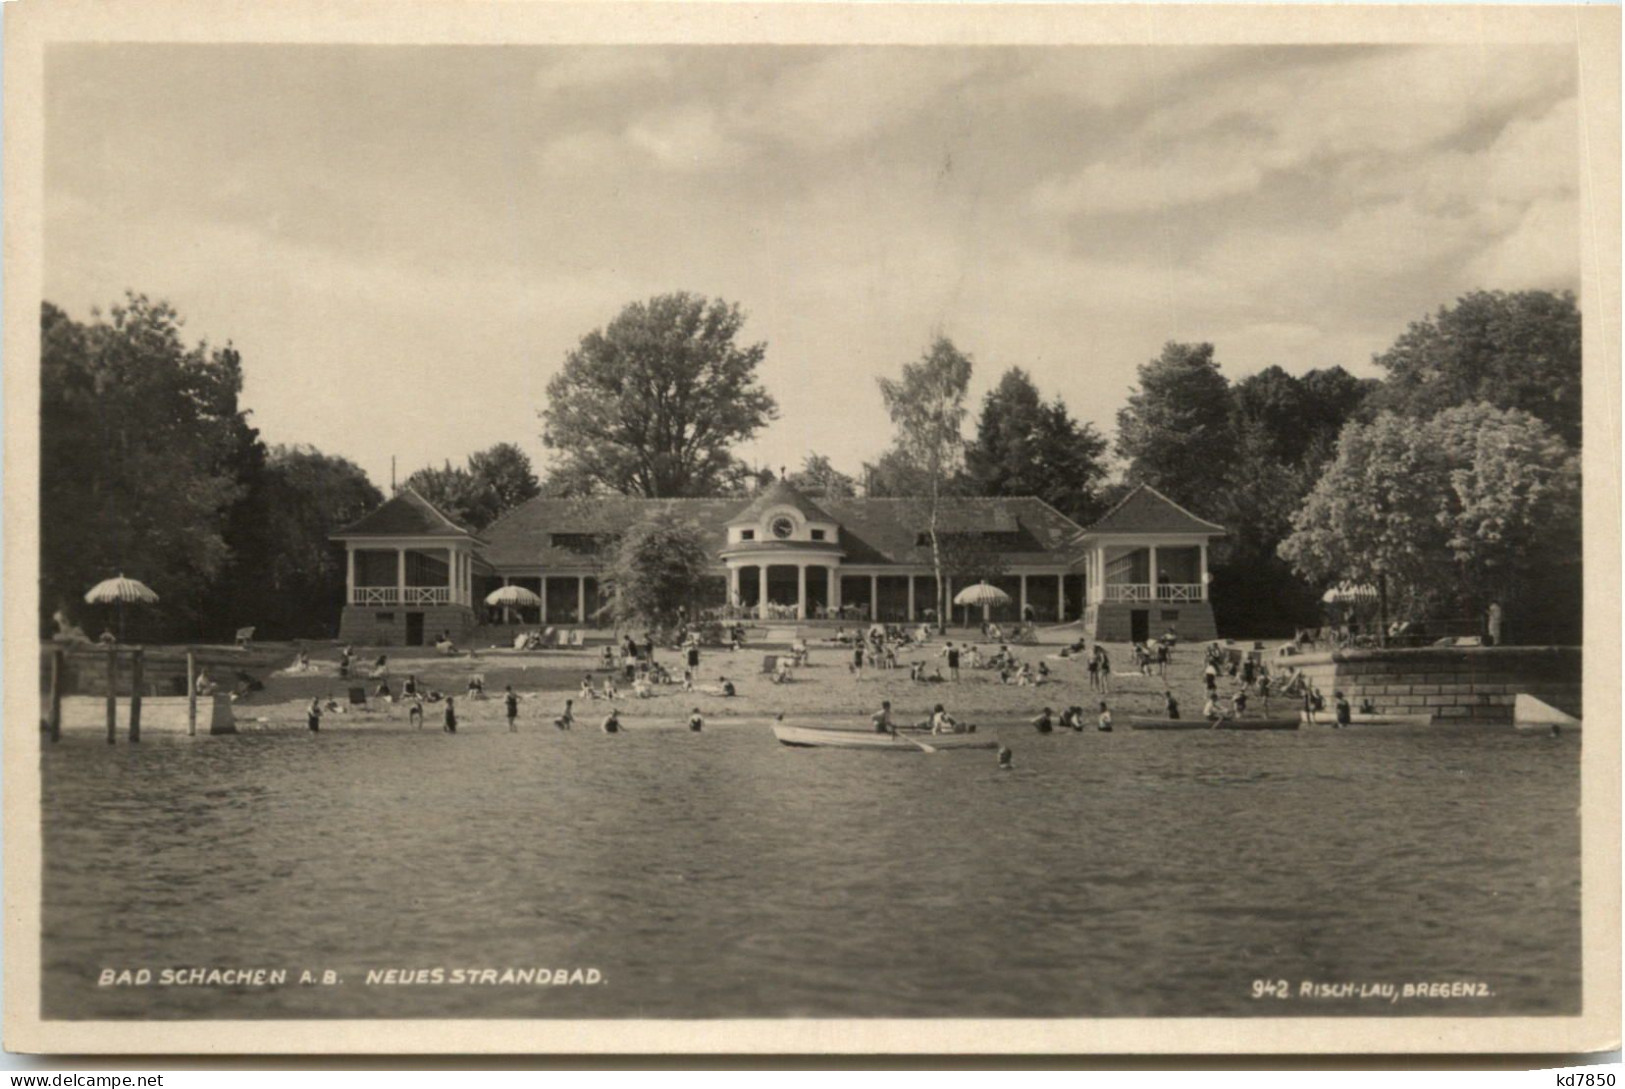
<point>855,528</point>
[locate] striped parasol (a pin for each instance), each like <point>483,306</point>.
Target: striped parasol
<point>981,594</point>
<point>1348,593</point>
<point>513,597</point>
<point>118,592</point>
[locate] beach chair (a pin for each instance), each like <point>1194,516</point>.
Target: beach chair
<point>578,638</point>
<point>358,696</point>
<point>245,638</point>
<point>770,664</point>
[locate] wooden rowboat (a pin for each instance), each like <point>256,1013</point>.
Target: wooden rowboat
<point>1204,724</point>
<point>1329,718</point>
<point>821,737</point>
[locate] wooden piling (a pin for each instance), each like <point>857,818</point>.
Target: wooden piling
<point>191,694</point>
<point>112,694</point>
<point>53,713</point>
<point>138,663</point>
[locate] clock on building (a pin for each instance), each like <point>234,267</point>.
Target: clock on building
<point>782,527</point>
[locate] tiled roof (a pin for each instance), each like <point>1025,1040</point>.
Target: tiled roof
<point>405,514</point>
<point>781,493</point>
<point>1146,510</point>
<point>872,531</point>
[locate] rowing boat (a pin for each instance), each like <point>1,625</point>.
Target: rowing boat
<point>1329,718</point>
<point>823,737</point>
<point>1222,724</point>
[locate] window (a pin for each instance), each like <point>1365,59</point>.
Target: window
<point>818,535</point>
<point>747,535</point>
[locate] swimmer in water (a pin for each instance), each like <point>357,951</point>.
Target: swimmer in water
<point>1005,758</point>
<point>1104,725</point>
<point>882,719</point>
<point>695,722</point>
<point>1044,723</point>
<point>612,722</point>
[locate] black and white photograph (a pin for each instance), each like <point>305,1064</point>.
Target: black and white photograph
<point>915,530</point>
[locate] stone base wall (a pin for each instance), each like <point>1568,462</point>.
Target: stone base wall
<point>1453,684</point>
<point>161,716</point>
<point>385,626</point>
<point>1112,622</point>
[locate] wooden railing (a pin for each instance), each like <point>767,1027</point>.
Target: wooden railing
<point>1144,591</point>
<point>394,595</point>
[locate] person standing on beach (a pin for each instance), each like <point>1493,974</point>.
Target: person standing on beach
<point>951,652</point>
<point>1344,714</point>
<point>510,700</point>
<point>1170,706</point>
<point>568,719</point>
<point>451,716</point>
<point>694,658</point>
<point>857,659</point>
<point>1094,672</point>
<point>313,716</point>
<point>414,713</point>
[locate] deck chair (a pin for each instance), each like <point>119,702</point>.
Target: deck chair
<point>358,696</point>
<point>578,638</point>
<point>245,638</point>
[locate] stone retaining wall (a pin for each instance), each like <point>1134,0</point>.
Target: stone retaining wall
<point>1453,684</point>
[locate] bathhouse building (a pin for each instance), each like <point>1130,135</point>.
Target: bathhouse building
<point>413,573</point>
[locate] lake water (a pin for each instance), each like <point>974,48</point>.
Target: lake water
<point>723,875</point>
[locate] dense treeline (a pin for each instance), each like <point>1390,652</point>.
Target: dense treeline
<point>149,465</point>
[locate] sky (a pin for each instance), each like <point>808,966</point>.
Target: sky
<point>405,242</point>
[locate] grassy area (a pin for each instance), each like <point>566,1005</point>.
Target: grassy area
<point>825,687</point>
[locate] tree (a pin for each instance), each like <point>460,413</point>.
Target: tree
<point>1511,350</point>
<point>495,481</point>
<point>819,478</point>
<point>927,406</point>
<point>1474,505</point>
<point>140,438</point>
<point>1175,430</point>
<point>1026,447</point>
<point>304,497</point>
<point>659,567</point>
<point>653,404</point>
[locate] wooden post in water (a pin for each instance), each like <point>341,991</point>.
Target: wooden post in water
<point>138,663</point>
<point>53,713</point>
<point>191,694</point>
<point>112,693</point>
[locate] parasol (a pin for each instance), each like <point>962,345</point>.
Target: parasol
<point>117,592</point>
<point>1348,593</point>
<point>981,594</point>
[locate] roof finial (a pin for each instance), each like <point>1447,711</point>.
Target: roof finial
<point>783,473</point>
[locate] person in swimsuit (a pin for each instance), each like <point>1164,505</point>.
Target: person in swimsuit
<point>1104,723</point>
<point>510,701</point>
<point>313,716</point>
<point>451,716</point>
<point>568,719</point>
<point>612,722</point>
<point>695,722</point>
<point>1044,723</point>
<point>1170,705</point>
<point>882,719</point>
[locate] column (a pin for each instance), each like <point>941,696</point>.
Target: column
<point>832,592</point>
<point>1060,597</point>
<point>948,600</point>
<point>544,595</point>
<point>911,597</point>
<point>581,599</point>
<point>349,574</point>
<point>1202,571</point>
<point>1023,613</point>
<point>801,591</point>
<point>874,598</point>
<point>733,587</point>
<point>400,576</point>
<point>1155,582</point>
<point>761,591</point>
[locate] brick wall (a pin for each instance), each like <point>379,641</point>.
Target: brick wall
<point>1111,622</point>
<point>1453,684</point>
<point>365,626</point>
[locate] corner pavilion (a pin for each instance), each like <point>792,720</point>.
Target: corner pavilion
<point>1141,569</point>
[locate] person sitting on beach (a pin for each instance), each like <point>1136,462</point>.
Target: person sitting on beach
<point>727,688</point>
<point>882,719</point>
<point>1170,706</point>
<point>384,693</point>
<point>1045,722</point>
<point>1212,711</point>
<point>641,688</point>
<point>781,672</point>
<point>1043,672</point>
<point>444,644</point>
<point>1104,722</point>
<point>695,722</point>
<point>411,686</point>
<point>568,719</point>
<point>204,683</point>
<point>476,688</point>
<point>610,691</point>
<point>688,680</point>
<point>414,714</point>
<point>942,722</point>
<point>451,716</point>
<point>612,722</point>
<point>1238,702</point>
<point>1024,676</point>
<point>1368,706</point>
<point>587,690</point>
<point>313,715</point>
<point>380,666</point>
